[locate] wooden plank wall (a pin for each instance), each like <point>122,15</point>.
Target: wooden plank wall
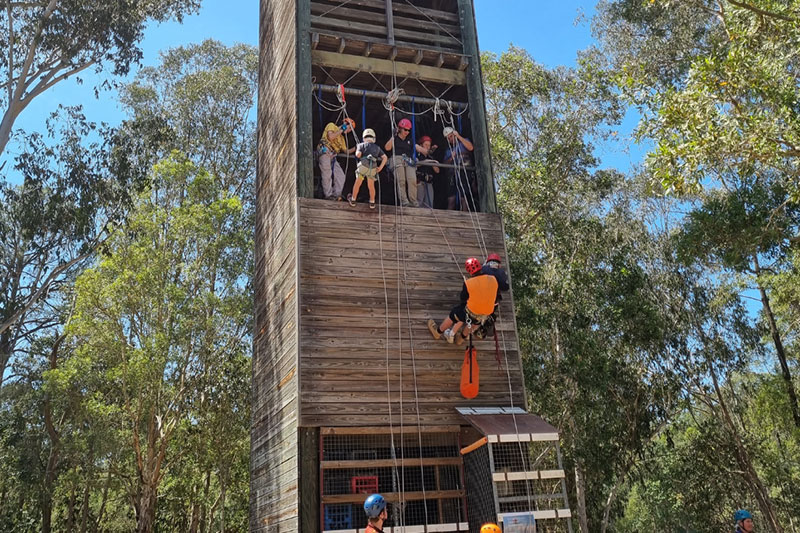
<point>273,457</point>
<point>343,315</point>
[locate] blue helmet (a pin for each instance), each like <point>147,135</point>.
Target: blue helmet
<point>374,505</point>
<point>742,514</point>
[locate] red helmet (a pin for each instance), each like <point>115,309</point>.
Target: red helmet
<point>472,265</point>
<point>425,138</point>
<point>493,257</point>
<point>404,123</point>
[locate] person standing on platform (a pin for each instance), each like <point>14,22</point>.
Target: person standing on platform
<point>333,142</point>
<point>425,173</point>
<point>371,160</point>
<point>405,175</point>
<point>375,507</point>
<point>459,153</point>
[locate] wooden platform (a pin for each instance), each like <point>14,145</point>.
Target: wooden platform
<point>364,343</point>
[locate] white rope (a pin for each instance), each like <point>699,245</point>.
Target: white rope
<point>532,502</point>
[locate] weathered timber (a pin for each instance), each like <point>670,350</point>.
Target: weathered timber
<point>384,66</point>
<point>477,107</point>
<point>274,476</point>
<point>357,298</point>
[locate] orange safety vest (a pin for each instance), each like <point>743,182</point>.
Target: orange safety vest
<point>482,294</point>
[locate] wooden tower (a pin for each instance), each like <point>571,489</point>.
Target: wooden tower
<point>351,394</point>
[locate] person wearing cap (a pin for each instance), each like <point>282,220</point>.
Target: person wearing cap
<point>426,173</point>
<point>375,507</point>
<point>459,154</point>
<point>405,176</point>
<point>744,521</point>
<point>371,160</point>
<point>333,142</point>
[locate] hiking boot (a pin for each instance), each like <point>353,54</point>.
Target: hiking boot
<point>449,336</point>
<point>351,200</point>
<point>434,329</point>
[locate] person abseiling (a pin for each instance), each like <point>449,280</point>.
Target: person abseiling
<point>375,507</point>
<point>478,296</point>
<point>405,175</point>
<point>490,528</point>
<point>371,160</point>
<point>426,173</point>
<point>333,142</point>
<point>744,521</point>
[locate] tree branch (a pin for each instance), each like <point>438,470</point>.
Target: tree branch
<point>763,12</point>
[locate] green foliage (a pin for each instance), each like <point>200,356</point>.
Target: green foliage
<point>716,82</point>
<point>158,323</point>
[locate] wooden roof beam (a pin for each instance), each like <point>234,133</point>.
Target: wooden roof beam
<point>384,66</point>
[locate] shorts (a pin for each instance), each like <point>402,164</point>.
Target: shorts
<point>460,313</point>
<point>363,171</point>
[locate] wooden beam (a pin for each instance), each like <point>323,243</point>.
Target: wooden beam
<point>305,148</point>
<point>384,66</point>
<point>395,497</point>
<point>477,108</point>
<point>386,430</point>
<point>389,22</point>
<point>309,480</point>
<point>389,463</point>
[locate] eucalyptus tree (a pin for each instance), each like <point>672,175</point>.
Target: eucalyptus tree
<point>592,332</point>
<point>48,41</point>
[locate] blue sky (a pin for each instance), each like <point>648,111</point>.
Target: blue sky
<point>548,30</point>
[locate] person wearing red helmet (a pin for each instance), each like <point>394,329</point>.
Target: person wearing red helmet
<point>426,171</point>
<point>405,177</point>
<point>333,142</point>
<point>478,297</point>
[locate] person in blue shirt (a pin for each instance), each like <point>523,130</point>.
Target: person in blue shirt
<point>459,153</point>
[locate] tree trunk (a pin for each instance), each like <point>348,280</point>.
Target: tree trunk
<point>776,339</point>
<point>746,464</point>
<point>85,507</point>
<point>146,508</point>
<point>580,494</point>
<point>580,481</point>
<point>47,511</point>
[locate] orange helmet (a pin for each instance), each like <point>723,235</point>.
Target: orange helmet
<point>490,528</point>
<point>350,122</point>
<point>472,265</point>
<point>404,123</point>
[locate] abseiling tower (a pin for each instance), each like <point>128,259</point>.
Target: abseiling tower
<point>351,394</point>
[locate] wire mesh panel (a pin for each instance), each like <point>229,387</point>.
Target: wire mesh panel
<point>419,473</point>
<point>481,507</point>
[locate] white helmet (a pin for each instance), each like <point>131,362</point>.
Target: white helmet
<point>368,133</point>
<point>448,131</point>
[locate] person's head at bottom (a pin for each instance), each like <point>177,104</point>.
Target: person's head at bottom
<point>375,507</point>
<point>744,521</point>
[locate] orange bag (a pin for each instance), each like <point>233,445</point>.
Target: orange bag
<point>470,374</point>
